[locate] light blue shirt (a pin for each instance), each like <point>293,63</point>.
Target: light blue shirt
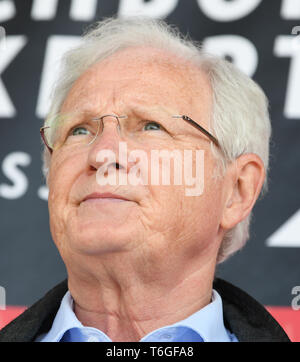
<point>206,325</point>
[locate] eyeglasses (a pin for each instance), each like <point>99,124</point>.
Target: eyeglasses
<point>74,130</point>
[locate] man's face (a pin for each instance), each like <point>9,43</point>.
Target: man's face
<point>157,220</point>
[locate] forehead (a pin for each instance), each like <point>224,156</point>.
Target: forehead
<point>141,77</point>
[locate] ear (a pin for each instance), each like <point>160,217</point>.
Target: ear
<point>246,177</point>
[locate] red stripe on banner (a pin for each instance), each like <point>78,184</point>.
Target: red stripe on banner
<point>288,318</point>
<point>9,314</point>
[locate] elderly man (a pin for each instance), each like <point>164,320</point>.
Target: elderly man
<point>141,255</point>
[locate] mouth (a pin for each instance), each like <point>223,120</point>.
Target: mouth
<point>104,197</point>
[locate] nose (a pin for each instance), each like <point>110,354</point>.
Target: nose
<point>106,145</point>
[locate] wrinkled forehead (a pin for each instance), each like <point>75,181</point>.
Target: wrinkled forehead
<point>145,77</point>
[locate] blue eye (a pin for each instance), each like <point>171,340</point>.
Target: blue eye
<point>80,131</point>
<point>152,126</point>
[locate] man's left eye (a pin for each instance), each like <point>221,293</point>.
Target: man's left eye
<point>152,126</point>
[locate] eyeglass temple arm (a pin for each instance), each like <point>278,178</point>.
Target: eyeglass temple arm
<point>196,125</point>
<point>42,132</point>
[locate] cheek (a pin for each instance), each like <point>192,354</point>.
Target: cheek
<point>62,175</point>
<point>209,205</point>
<point>202,212</point>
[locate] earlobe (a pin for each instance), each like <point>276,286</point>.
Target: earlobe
<point>246,183</point>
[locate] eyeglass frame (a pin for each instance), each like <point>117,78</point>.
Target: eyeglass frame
<point>184,117</point>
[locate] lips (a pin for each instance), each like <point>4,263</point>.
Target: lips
<point>106,195</point>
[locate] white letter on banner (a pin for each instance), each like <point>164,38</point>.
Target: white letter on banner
<point>2,298</point>
<point>57,45</point>
<point>152,8</point>
<point>296,300</point>
<point>242,51</point>
<point>290,9</point>
<point>13,45</point>
<point>222,10</point>
<point>287,235</point>
<point>43,192</point>
<point>289,46</point>
<point>81,10</point>
<point>7,10</point>
<point>44,9</point>
<point>16,176</point>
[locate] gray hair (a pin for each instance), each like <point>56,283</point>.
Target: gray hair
<point>240,119</point>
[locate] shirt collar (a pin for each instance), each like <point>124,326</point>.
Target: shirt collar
<point>207,323</point>
<point>64,320</point>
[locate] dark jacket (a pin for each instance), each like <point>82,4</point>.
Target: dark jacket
<point>243,316</point>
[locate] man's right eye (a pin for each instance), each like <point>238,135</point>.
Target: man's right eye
<point>79,131</point>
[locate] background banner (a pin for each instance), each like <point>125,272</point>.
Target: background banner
<point>262,37</point>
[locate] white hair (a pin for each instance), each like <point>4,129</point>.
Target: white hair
<point>240,119</point>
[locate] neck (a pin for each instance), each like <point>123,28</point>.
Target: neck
<point>127,305</point>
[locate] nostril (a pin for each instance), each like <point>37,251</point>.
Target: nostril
<point>92,168</point>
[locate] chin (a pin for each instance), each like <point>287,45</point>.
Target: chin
<point>100,238</point>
